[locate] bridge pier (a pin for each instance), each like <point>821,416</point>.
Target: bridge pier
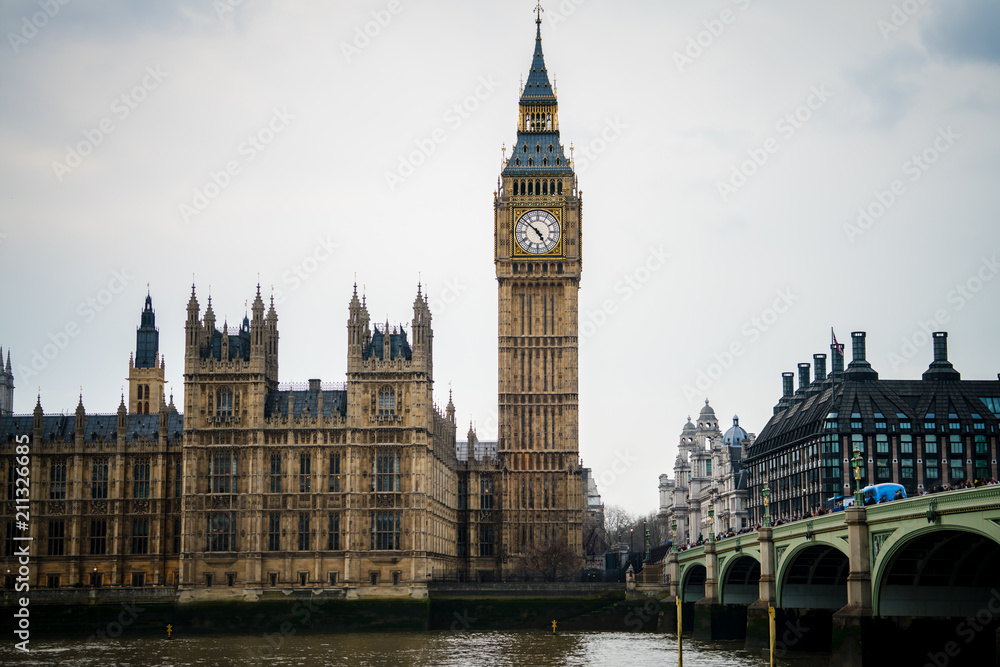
<point>849,623</point>
<point>668,612</point>
<point>713,620</point>
<point>758,622</point>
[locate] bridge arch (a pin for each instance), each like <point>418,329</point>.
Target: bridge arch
<point>693,582</point>
<point>937,570</point>
<point>813,575</point>
<point>739,581</point>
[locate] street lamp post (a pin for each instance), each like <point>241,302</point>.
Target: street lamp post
<point>711,522</point>
<point>631,543</point>
<point>856,460</point>
<point>766,492</point>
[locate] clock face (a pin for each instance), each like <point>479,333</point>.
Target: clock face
<point>537,232</point>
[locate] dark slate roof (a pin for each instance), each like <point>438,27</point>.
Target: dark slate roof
<point>538,88</point>
<point>97,428</point>
<point>239,344</point>
<point>805,416</point>
<point>532,155</point>
<point>305,402</point>
<point>398,345</point>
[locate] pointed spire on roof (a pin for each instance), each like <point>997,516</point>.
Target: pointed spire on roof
<point>538,85</point>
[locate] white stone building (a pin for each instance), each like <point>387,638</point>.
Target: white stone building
<point>708,471</point>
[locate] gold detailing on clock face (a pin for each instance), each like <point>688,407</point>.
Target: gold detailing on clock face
<point>537,232</point>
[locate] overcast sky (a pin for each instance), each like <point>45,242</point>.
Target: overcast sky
<point>726,151</point>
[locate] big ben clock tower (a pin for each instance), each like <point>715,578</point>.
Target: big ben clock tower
<point>538,255</point>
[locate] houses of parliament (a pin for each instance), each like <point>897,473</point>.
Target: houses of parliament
<point>251,484</point>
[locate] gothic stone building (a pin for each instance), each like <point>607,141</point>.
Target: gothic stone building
<point>261,485</point>
<point>257,485</point>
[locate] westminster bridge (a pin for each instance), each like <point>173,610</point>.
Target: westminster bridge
<point>916,581</point>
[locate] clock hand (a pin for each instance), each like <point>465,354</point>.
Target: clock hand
<point>535,229</point>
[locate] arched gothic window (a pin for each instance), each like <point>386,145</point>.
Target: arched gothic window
<point>224,402</point>
<point>386,402</point>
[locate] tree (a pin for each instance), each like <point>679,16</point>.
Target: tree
<point>553,560</point>
<point>617,523</point>
<point>594,541</point>
<point>657,535</point>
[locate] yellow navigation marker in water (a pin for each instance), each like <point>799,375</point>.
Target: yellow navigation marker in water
<point>169,630</point>
<point>553,627</point>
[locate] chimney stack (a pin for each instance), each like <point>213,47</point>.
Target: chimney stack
<point>804,370</point>
<point>787,384</point>
<point>858,339</point>
<point>941,368</point>
<point>819,361</point>
<point>859,368</point>
<point>940,346</point>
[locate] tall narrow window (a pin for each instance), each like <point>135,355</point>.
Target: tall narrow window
<point>222,469</point>
<point>305,472</point>
<point>335,472</point>
<point>99,480</point>
<point>98,537</point>
<point>304,534</point>
<point>333,534</point>
<point>386,472</point>
<point>57,480</point>
<point>485,540</point>
<point>224,402</point>
<point>140,536</point>
<point>275,478</point>
<point>140,478</point>
<point>274,532</point>
<point>486,500</point>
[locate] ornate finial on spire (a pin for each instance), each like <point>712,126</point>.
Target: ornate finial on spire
<point>539,10</point>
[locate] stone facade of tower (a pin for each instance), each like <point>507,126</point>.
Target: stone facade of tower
<point>146,368</point>
<point>6,386</point>
<point>538,257</point>
<point>708,475</point>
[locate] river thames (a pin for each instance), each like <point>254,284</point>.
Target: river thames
<point>451,649</point>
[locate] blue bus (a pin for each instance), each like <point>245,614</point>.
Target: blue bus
<point>883,493</point>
